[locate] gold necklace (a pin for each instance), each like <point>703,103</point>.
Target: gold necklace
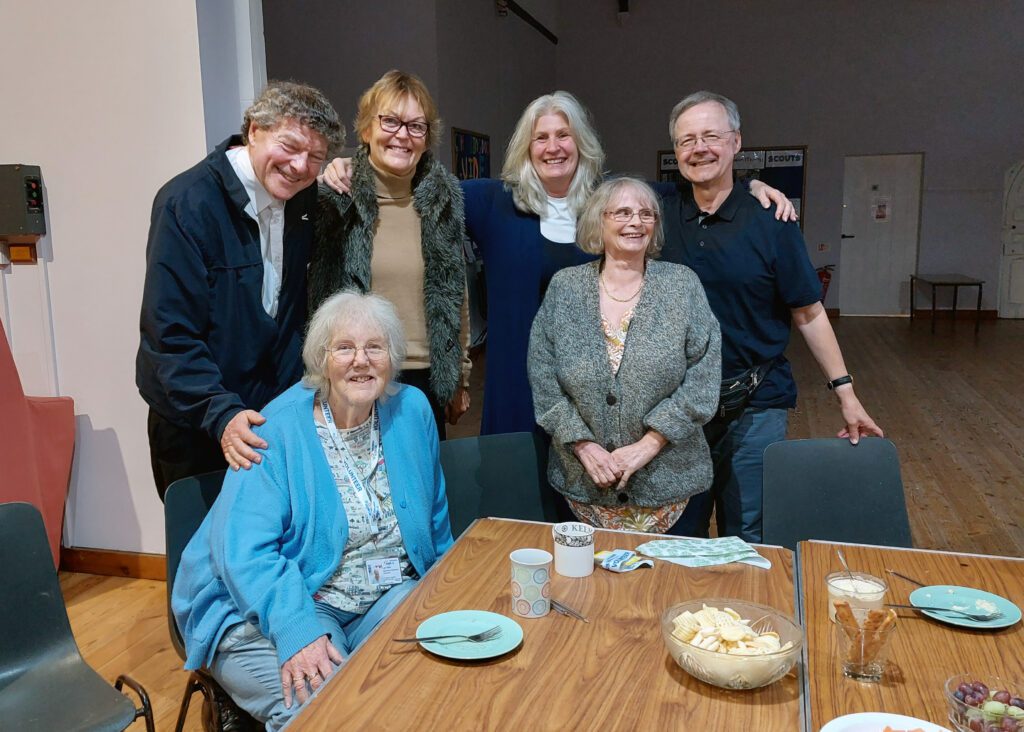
<point>607,292</point>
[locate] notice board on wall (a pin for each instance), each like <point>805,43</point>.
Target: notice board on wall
<point>783,167</point>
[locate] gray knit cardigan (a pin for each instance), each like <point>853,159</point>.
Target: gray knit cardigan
<point>668,381</point>
<point>343,248</point>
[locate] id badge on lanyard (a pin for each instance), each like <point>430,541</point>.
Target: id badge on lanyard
<point>367,496</point>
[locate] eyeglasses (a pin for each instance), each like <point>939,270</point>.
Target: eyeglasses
<point>345,353</point>
<point>625,215</point>
<point>389,123</point>
<point>711,139</point>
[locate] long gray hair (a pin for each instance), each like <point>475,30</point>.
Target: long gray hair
<point>518,172</point>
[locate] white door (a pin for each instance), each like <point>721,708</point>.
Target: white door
<point>881,214</point>
<point>1011,264</point>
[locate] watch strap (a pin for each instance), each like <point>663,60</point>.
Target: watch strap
<point>831,385</point>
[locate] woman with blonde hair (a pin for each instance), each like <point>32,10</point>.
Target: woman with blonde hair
<point>398,232</point>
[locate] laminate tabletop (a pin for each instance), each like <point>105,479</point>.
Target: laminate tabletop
<point>924,652</point>
<point>612,673</point>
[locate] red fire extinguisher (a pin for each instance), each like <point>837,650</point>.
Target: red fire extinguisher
<point>825,275</point>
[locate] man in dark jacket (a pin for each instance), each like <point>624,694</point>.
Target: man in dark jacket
<point>224,303</point>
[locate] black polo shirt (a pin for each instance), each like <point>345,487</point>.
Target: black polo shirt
<point>754,269</point>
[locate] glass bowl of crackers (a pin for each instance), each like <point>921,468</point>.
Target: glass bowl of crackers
<point>732,644</point>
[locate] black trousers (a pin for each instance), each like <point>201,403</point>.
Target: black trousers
<point>420,378</point>
<point>179,452</point>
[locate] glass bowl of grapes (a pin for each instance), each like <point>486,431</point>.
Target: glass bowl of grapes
<point>985,704</point>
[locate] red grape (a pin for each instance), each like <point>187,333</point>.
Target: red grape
<point>1002,696</point>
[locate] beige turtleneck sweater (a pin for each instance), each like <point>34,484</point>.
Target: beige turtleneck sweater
<point>396,268</point>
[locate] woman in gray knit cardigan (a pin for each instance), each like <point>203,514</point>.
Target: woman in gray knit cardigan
<point>625,364</point>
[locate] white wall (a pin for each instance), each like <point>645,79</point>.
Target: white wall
<point>106,96</point>
<point>856,77</point>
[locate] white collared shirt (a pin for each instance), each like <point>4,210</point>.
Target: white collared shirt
<point>268,212</point>
<point>559,223</point>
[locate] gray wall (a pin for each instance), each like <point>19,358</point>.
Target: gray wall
<point>843,78</point>
<point>481,69</point>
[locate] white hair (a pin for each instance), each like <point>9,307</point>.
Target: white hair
<point>731,110</point>
<point>336,314</point>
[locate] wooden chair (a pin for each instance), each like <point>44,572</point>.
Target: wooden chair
<point>45,684</point>
<point>496,475</point>
<point>829,489</point>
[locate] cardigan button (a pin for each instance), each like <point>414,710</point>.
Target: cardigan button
<point>610,447</point>
<point>623,498</point>
<point>610,399</point>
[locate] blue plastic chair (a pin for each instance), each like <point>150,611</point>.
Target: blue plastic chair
<point>829,489</point>
<point>496,475</point>
<point>45,684</point>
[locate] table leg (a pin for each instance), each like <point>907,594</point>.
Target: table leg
<point>933,308</point>
<point>913,283</point>
<point>977,312</point>
<point>956,295</point>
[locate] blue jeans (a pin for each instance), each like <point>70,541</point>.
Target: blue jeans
<point>246,664</point>
<point>737,453</point>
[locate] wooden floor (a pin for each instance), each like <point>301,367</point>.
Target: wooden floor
<point>953,403</point>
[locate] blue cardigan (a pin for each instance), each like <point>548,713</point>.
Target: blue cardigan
<point>276,532</point>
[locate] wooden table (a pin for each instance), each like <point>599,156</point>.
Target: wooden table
<point>925,652</point>
<point>956,281</point>
<point>611,673</point>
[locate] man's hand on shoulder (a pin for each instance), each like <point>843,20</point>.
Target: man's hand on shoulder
<point>239,442</point>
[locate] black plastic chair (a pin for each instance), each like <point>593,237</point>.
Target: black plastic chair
<point>45,684</point>
<point>496,475</point>
<point>186,504</point>
<point>829,489</point>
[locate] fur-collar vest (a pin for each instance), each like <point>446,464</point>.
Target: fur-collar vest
<point>343,248</point>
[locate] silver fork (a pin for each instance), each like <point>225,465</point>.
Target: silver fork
<point>762,625</point>
<point>485,635</point>
<point>977,617</point>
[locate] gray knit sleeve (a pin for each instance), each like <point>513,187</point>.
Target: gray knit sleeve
<point>553,408</point>
<point>695,401</point>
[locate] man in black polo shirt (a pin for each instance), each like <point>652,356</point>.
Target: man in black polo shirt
<point>224,303</point>
<point>759,280</point>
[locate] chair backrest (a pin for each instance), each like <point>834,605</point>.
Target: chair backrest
<point>186,504</point>
<point>34,627</point>
<point>496,475</point>
<point>832,490</point>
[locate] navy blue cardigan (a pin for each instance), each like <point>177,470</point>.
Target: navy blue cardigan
<point>208,348</point>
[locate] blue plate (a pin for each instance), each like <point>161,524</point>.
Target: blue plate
<point>967,599</point>
<point>469,622</point>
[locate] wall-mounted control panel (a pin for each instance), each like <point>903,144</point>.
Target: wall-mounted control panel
<point>22,218</point>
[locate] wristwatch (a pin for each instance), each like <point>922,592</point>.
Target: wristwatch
<point>831,385</point>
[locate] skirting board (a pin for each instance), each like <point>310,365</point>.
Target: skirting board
<point>113,563</point>
<point>961,314</point>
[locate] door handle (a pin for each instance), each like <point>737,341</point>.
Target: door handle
<point>847,236</point>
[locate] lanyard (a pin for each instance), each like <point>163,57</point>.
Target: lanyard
<point>367,496</point>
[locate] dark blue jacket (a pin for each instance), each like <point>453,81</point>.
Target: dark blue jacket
<point>208,348</point>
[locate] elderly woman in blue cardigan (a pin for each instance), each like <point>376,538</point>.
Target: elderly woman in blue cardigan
<point>624,364</point>
<point>304,554</point>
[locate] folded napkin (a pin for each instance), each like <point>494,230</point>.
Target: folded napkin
<point>704,552</point>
